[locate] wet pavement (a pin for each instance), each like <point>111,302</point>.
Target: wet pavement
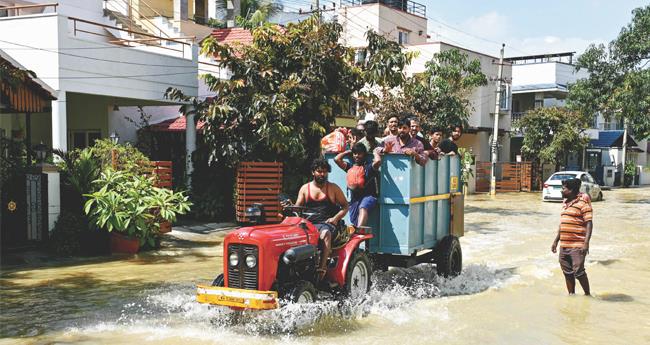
<point>511,290</point>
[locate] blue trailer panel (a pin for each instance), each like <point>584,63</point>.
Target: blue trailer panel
<point>414,203</point>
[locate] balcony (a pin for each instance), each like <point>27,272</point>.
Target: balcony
<point>97,56</point>
<point>402,5</point>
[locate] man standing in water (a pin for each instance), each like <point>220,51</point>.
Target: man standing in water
<point>573,235</point>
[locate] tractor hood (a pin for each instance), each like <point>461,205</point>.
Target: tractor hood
<point>287,234</point>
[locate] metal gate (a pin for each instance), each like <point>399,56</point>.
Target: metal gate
<point>24,209</point>
<point>511,177</point>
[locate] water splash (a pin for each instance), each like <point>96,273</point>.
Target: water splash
<point>174,306</point>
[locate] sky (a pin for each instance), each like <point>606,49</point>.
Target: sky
<point>528,27</point>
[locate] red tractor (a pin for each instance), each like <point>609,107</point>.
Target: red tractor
<point>265,263</point>
<point>419,219</point>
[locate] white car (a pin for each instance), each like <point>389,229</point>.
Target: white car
<point>552,190</point>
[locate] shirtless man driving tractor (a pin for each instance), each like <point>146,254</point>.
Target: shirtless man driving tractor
<point>327,201</point>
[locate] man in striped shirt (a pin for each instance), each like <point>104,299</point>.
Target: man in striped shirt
<point>574,234</point>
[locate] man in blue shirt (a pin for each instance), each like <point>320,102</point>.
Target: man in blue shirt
<point>362,182</point>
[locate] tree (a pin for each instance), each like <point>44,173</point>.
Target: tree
<point>283,94</point>
<point>253,12</point>
<point>439,95</point>
<point>618,86</point>
<point>550,133</point>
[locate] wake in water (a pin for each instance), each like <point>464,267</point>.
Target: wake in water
<point>175,306</point>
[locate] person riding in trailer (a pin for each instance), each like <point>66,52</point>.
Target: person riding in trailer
<point>361,179</point>
<point>403,143</point>
<point>327,201</point>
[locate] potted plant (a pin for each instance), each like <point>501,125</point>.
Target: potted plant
<point>129,207</point>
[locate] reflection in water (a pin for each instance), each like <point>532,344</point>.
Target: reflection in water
<point>615,297</point>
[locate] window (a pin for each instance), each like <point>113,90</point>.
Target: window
<point>360,57</point>
<point>539,103</point>
<point>80,139</point>
<point>506,93</point>
<point>403,37</point>
<point>563,177</point>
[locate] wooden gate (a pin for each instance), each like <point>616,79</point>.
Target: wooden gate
<point>259,182</point>
<point>511,177</point>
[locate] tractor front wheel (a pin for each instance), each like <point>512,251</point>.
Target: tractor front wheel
<point>218,281</point>
<point>302,292</point>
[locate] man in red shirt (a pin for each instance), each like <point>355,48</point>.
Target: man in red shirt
<point>573,235</point>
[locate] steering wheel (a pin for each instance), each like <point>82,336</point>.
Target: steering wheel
<point>296,210</point>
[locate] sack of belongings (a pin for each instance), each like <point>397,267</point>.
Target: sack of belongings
<point>335,141</point>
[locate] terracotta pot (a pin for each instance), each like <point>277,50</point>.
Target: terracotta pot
<point>124,244</point>
<point>165,227</point>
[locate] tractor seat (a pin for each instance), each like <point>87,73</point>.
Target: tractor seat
<point>343,235</point>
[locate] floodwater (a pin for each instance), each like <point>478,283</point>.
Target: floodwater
<point>511,291</point>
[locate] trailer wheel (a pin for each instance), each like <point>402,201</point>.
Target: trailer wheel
<point>218,281</point>
<point>357,278</point>
<point>302,292</point>
<point>449,257</point>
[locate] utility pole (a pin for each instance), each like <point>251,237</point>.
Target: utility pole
<point>495,133</point>
<point>317,7</point>
<point>624,152</point>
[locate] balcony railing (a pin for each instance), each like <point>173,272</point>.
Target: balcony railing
<point>516,116</point>
<point>22,10</point>
<point>610,126</point>
<point>402,5</point>
<point>181,45</point>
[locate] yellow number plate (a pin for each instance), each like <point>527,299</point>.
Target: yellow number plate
<point>230,299</point>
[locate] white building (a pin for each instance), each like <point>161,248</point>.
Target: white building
<point>95,65</point>
<point>406,22</point>
<point>540,81</point>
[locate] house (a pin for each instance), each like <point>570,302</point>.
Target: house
<point>94,64</point>
<point>406,22</point>
<point>540,81</point>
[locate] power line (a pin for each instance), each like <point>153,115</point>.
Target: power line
<point>93,58</point>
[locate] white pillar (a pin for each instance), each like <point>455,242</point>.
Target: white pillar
<point>53,196</point>
<point>60,123</point>
<point>180,10</point>
<point>212,8</point>
<point>190,146</point>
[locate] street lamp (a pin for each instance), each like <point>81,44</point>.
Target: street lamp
<point>115,138</point>
<point>41,152</point>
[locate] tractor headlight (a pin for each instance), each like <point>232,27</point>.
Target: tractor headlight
<point>251,261</point>
<point>233,259</point>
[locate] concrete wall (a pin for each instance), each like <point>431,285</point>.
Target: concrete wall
<point>356,20</point>
<point>546,73</point>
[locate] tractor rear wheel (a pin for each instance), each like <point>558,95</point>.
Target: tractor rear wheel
<point>357,278</point>
<point>449,257</point>
<point>302,292</point>
<point>218,281</point>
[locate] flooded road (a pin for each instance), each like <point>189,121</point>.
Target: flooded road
<point>511,291</point>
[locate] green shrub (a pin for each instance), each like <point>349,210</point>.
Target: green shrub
<point>129,203</point>
<point>67,232</point>
<point>128,157</point>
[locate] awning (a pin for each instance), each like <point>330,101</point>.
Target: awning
<point>607,139</point>
<point>174,125</point>
<point>28,96</point>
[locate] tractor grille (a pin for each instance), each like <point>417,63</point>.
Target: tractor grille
<point>241,276</point>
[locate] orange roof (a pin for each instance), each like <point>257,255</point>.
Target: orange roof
<point>173,125</point>
<point>233,35</point>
